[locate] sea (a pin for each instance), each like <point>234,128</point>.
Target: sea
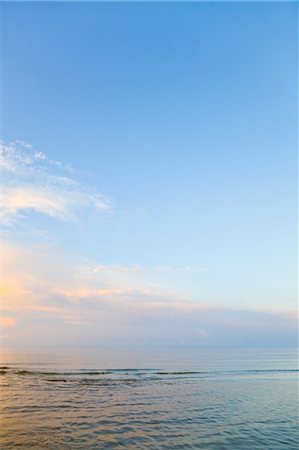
<point>149,398</point>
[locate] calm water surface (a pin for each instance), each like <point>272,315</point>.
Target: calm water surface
<point>149,399</point>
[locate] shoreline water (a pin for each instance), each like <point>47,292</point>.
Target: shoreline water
<point>197,399</point>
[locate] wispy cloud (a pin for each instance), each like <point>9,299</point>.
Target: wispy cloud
<point>136,268</point>
<point>33,182</point>
<point>58,299</point>
<point>116,268</point>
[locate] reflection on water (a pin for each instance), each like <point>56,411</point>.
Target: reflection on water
<point>149,399</point>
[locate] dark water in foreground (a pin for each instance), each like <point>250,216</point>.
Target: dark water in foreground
<point>149,399</point>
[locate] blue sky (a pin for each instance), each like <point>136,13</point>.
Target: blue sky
<point>179,121</point>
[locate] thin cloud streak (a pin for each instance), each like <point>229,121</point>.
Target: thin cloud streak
<point>8,321</point>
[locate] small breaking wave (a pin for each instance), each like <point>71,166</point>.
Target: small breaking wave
<point>133,372</point>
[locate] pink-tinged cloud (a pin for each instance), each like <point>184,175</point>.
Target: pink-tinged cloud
<point>8,321</point>
<point>58,302</point>
<point>87,292</point>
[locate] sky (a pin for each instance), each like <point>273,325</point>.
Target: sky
<point>149,174</point>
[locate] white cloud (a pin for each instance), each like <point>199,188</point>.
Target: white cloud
<point>116,268</point>
<point>32,182</point>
